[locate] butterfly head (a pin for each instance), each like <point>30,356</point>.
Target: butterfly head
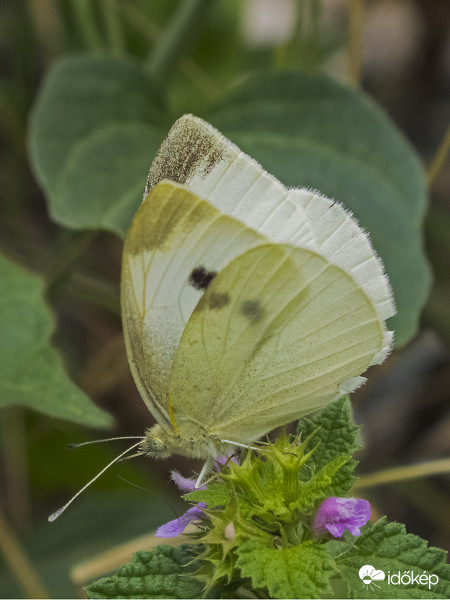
<point>156,443</point>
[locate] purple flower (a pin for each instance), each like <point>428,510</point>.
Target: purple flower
<point>338,514</point>
<point>185,484</point>
<point>177,526</point>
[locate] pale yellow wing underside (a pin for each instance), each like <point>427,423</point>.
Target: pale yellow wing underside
<point>173,248</point>
<point>279,333</point>
<point>198,156</point>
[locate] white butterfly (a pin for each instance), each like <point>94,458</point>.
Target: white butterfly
<point>245,305</point>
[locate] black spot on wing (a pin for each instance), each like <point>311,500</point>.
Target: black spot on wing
<point>200,278</point>
<point>218,300</point>
<point>252,309</point>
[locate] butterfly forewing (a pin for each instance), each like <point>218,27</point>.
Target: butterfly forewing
<point>176,244</point>
<point>202,159</point>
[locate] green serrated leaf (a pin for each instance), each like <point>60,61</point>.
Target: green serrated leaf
<point>31,371</point>
<point>95,127</point>
<point>388,548</point>
<point>318,487</point>
<point>311,131</point>
<point>165,572</point>
<point>335,431</point>
<point>300,572</point>
<point>216,495</point>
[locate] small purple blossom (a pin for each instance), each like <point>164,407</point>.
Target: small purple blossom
<point>177,526</point>
<point>335,515</point>
<point>186,484</point>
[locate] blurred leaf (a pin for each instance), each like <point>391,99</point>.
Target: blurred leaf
<point>98,523</point>
<point>311,131</point>
<point>31,371</point>
<point>161,573</point>
<point>95,126</point>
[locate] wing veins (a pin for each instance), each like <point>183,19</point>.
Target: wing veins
<point>286,389</point>
<point>312,362</point>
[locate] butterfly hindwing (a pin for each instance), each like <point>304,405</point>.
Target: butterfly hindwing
<point>279,333</point>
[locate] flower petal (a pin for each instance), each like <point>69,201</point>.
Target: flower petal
<point>177,526</point>
<point>335,515</point>
<point>185,484</point>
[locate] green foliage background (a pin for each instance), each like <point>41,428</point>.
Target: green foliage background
<point>88,90</point>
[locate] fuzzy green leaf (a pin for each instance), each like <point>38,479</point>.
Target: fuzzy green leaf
<point>265,495</point>
<point>31,371</point>
<point>311,131</point>
<point>318,487</point>
<point>300,572</point>
<point>94,129</point>
<point>334,430</point>
<point>387,547</point>
<point>165,572</point>
<point>216,495</point>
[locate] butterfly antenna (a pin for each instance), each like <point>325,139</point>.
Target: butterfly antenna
<point>113,439</point>
<point>59,512</point>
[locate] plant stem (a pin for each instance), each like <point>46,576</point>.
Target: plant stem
<point>189,68</point>
<point>75,247</point>
<point>82,10</point>
<point>305,43</point>
<point>19,563</point>
<point>47,25</point>
<point>425,469</point>
<point>94,291</point>
<point>16,490</point>
<point>439,158</point>
<point>177,36</point>
<point>354,41</point>
<point>291,533</point>
<point>114,30</point>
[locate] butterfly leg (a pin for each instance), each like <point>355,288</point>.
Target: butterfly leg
<point>205,469</point>
<point>241,445</point>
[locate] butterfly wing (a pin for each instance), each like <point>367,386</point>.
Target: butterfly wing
<point>203,160</point>
<point>174,247</point>
<point>280,332</point>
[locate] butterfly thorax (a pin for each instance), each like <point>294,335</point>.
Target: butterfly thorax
<point>160,443</point>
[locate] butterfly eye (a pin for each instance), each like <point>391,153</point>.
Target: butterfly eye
<point>153,446</point>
